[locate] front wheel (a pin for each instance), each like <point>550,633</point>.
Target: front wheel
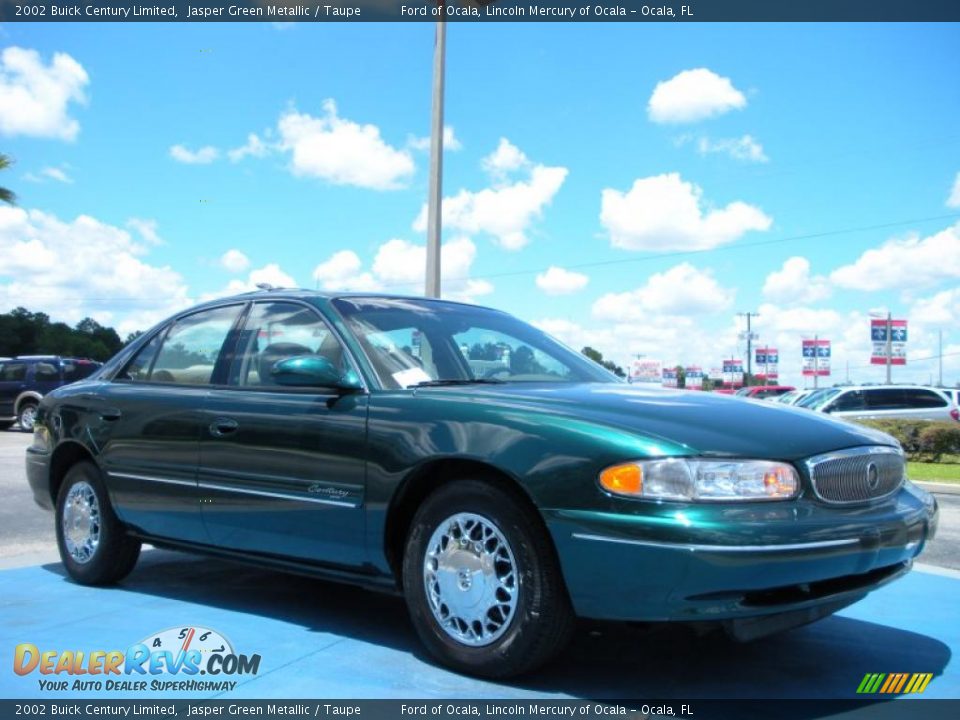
<point>482,582</point>
<point>93,544</point>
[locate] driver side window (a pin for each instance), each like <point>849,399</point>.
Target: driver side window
<point>275,331</point>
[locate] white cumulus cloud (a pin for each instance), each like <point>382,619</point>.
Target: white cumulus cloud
<point>400,266</point>
<point>341,151</point>
<point>954,199</point>
<point>506,211</point>
<point>254,147</point>
<point>83,267</point>
<point>793,283</point>
<point>664,212</point>
<point>743,148</point>
<point>558,281</point>
<point>504,160</point>
<point>146,229</point>
<point>202,156</point>
<point>904,263</point>
<point>681,290</point>
<point>35,96</point>
<point>234,261</point>
<point>693,95</point>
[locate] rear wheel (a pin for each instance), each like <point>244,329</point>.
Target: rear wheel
<point>482,582</point>
<point>27,416</point>
<point>93,544</point>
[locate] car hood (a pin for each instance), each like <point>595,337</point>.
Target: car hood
<point>701,423</point>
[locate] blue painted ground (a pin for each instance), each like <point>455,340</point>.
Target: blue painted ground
<point>324,640</point>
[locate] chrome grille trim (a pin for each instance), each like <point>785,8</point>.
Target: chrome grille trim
<point>843,477</point>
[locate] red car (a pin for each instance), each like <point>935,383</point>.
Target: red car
<point>760,392</point>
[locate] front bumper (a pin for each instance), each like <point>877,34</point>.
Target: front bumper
<point>671,561</point>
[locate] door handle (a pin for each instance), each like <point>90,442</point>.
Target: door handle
<point>223,426</point>
<point>110,414</point>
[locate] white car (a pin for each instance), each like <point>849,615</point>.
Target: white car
<point>881,402</point>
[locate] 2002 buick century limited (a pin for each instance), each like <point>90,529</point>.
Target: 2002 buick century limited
<point>503,482</point>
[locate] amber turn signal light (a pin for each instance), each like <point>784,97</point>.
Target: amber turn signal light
<point>623,479</point>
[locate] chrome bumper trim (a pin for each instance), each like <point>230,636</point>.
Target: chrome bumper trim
<point>693,547</point>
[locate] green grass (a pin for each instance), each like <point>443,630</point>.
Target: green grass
<point>934,472</point>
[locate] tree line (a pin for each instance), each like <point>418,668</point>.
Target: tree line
<point>28,333</point>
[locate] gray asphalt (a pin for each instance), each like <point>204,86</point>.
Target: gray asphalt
<point>27,537</point>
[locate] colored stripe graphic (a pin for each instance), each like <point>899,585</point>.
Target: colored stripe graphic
<point>894,683</point>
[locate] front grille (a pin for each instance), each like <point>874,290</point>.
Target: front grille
<point>856,475</point>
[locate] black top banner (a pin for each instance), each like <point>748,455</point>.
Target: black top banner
<point>479,10</point>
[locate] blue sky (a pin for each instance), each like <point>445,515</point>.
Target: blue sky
<point>608,152</point>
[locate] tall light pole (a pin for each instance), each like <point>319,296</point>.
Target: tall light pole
<point>749,316</point>
<point>434,201</point>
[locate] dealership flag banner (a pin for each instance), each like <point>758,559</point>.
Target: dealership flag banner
<point>816,357</point>
<point>898,342</point>
<point>694,377</point>
<point>733,372</point>
<point>670,377</point>
<point>768,361</point>
<point>646,371</point>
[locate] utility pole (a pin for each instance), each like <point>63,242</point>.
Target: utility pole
<point>434,200</point>
<point>889,343</point>
<point>749,316</point>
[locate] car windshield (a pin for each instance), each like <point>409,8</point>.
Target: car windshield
<point>412,342</point>
<point>743,391</point>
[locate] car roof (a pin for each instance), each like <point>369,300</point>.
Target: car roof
<point>328,295</point>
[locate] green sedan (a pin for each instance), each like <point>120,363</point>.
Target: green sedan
<point>505,484</point>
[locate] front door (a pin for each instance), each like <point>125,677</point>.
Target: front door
<point>282,470</point>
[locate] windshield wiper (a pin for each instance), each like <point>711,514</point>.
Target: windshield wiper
<point>458,381</point>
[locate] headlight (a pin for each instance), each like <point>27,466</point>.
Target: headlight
<point>708,480</point>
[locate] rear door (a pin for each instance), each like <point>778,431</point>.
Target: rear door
<point>282,469</point>
<point>147,423</point>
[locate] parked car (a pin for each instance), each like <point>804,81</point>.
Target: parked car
<point>25,379</point>
<point>504,483</point>
<point>880,402</point>
<point>792,397</point>
<point>762,392</point>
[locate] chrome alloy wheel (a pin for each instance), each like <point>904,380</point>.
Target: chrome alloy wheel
<point>470,576</point>
<point>81,522</point>
<point>28,418</point>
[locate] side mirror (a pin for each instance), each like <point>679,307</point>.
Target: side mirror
<point>313,371</point>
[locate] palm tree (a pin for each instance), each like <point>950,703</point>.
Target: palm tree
<point>6,196</point>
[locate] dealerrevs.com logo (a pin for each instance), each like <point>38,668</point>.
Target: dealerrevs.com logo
<point>182,652</point>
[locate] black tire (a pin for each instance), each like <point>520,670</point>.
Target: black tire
<point>115,552</point>
<point>542,621</point>
<point>26,416</point>
<point>6,425</point>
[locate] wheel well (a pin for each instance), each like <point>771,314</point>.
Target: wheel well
<point>427,478</point>
<point>24,399</point>
<point>64,458</point>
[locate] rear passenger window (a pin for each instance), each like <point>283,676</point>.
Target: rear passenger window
<point>73,371</point>
<point>190,351</point>
<point>886,399</point>
<point>923,399</point>
<point>139,368</point>
<point>46,372</point>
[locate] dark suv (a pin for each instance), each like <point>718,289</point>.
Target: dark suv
<point>24,380</point>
